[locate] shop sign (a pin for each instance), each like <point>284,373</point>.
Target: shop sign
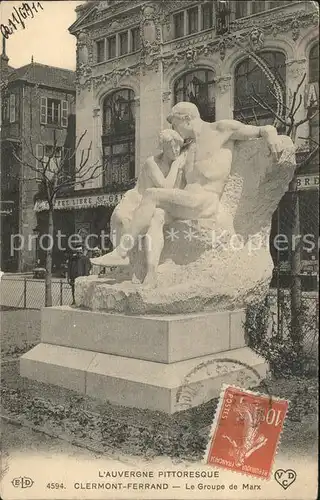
<point>80,202</point>
<point>308,181</point>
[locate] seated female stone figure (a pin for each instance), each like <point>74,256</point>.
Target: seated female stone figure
<point>160,171</point>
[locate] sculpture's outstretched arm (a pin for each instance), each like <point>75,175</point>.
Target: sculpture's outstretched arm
<point>238,131</point>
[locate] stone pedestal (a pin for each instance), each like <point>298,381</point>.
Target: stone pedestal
<point>163,363</point>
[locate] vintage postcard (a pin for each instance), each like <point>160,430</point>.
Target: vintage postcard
<point>159,249</point>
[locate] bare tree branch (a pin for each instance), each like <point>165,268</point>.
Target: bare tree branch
<point>308,118</point>
<point>84,160</point>
<point>297,106</point>
<point>30,151</point>
<point>294,98</point>
<point>25,164</point>
<point>261,102</point>
<point>310,157</point>
<point>255,117</point>
<point>32,179</point>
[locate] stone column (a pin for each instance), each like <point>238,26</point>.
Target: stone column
<point>151,109</point>
<point>137,135</point>
<point>97,153</point>
<point>224,102</point>
<point>167,99</point>
<point>84,122</point>
<point>151,81</point>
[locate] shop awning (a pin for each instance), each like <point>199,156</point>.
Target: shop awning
<point>81,202</point>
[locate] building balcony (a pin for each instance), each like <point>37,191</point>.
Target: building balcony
<point>119,175</point>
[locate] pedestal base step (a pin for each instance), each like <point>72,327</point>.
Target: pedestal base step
<point>164,339</point>
<point>142,384</point>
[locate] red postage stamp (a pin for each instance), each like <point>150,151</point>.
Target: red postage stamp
<point>246,431</point>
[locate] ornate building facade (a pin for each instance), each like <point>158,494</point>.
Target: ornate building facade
<point>136,59</point>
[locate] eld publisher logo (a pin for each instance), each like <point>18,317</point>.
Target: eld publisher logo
<point>22,482</point>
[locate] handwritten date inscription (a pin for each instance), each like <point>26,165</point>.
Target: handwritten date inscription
<point>18,17</point>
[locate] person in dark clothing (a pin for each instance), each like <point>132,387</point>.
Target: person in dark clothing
<point>78,265</point>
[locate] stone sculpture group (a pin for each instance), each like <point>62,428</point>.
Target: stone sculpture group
<point>194,232</point>
<point>191,237</point>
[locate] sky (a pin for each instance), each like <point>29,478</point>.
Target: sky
<point>45,36</point>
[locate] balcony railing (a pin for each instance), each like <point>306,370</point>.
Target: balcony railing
<point>119,174</point>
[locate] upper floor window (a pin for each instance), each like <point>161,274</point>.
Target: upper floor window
<point>273,5</point>
<point>135,39</point>
<point>9,114</point>
<point>246,8</point>
<point>123,43</point>
<point>258,6</point>
<point>12,108</point>
<point>118,45</point>
<point>207,16</point>
<point>111,47</point>
<point>101,50</point>
<point>54,112</point>
<point>314,64</point>
<point>250,81</point>
<point>178,20</point>
<point>241,9</point>
<point>118,113</point>
<point>313,102</point>
<point>197,87</point>
<point>193,20</point>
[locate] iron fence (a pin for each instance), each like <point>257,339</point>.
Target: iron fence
<point>296,271</point>
<point>28,293</point>
<point>283,316</point>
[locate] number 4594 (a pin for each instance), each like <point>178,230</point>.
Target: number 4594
<point>55,486</point>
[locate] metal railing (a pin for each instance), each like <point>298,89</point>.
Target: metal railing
<point>28,293</point>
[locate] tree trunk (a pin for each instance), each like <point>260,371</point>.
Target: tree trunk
<point>296,333</point>
<point>48,281</point>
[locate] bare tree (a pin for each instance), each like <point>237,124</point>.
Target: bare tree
<point>56,172</point>
<point>288,123</point>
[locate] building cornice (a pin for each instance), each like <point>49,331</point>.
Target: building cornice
<point>98,16</point>
<point>247,34</point>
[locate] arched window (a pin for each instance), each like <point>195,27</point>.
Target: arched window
<point>252,85</point>
<point>314,64</point>
<point>197,87</point>
<point>118,137</point>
